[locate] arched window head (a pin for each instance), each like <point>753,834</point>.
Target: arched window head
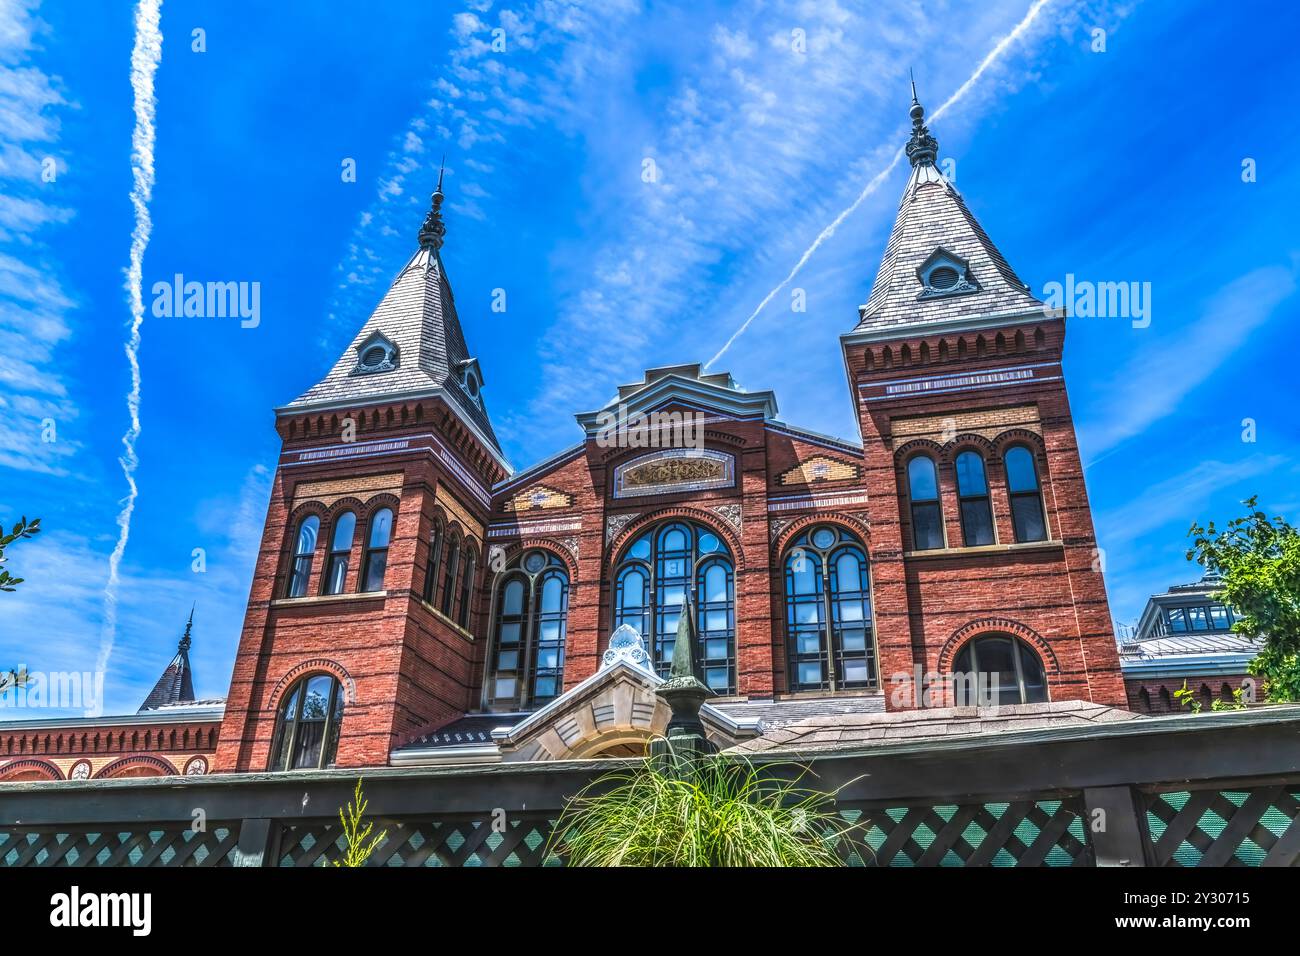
<point>336,574</point>
<point>466,584</point>
<point>998,669</point>
<point>1026,498</point>
<point>652,579</point>
<point>431,566</point>
<point>529,629</point>
<point>829,635</point>
<point>923,493</point>
<point>381,532</point>
<point>973,495</point>
<point>304,550</point>
<point>307,726</point>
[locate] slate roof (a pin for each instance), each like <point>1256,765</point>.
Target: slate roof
<point>933,215</point>
<point>418,316</point>
<point>467,730</point>
<point>857,731</point>
<point>176,685</point>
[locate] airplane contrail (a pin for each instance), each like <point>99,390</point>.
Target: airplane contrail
<point>145,57</point>
<point>993,55</point>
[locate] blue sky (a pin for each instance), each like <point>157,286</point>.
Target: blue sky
<point>1122,165</point>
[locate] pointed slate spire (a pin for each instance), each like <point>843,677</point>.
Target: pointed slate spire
<point>684,693</point>
<point>176,685</point>
<point>433,231</point>
<point>417,323</point>
<point>933,219</point>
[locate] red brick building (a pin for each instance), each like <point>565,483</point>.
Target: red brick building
<point>417,601</point>
<point>437,598</point>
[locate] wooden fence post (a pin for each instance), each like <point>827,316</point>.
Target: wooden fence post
<point>1114,818</point>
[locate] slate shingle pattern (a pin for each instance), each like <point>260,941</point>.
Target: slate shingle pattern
<point>932,214</point>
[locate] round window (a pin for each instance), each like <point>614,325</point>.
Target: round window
<point>944,277</point>
<point>823,538</point>
<point>534,562</point>
<point>374,356</point>
<point>471,386</point>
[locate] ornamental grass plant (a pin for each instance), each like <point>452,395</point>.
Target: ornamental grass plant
<point>713,811</point>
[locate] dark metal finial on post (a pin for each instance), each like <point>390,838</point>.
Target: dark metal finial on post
<point>433,231</point>
<point>189,625</point>
<point>922,148</point>
<point>684,693</point>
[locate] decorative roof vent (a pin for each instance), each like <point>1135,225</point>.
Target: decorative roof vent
<point>471,380</point>
<point>375,354</point>
<point>944,274</point>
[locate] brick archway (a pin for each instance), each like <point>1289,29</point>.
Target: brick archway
<point>998,625</point>
<point>316,664</point>
<point>679,512</point>
<point>137,765</point>
<point>847,522</point>
<point>29,769</point>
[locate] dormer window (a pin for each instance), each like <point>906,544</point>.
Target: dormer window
<point>375,354</point>
<point>944,274</point>
<point>471,380</point>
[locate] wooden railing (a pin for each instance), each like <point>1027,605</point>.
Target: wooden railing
<point>1205,790</point>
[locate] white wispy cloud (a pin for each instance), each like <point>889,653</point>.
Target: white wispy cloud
<point>1159,375</point>
<point>34,306</point>
<point>145,57</point>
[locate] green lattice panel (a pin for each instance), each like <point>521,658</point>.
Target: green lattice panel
<point>1022,833</point>
<point>1247,827</point>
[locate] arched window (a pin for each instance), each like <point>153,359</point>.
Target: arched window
<point>826,583</point>
<point>303,551</point>
<point>923,492</point>
<point>998,669</point>
<point>530,623</point>
<point>652,580</point>
<point>336,576</point>
<point>1026,502</point>
<point>451,565</point>
<point>431,568</point>
<point>307,728</point>
<point>466,584</point>
<point>973,494</point>
<point>381,532</point>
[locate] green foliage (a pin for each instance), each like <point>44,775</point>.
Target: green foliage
<point>23,529</point>
<point>1237,703</point>
<point>1187,698</point>
<point>359,850</point>
<point>720,813</point>
<point>1259,559</point>
<point>1279,675</point>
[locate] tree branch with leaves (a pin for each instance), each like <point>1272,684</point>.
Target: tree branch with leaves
<point>23,529</point>
<point>1258,558</point>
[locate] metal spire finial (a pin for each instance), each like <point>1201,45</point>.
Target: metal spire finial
<point>184,644</point>
<point>433,231</point>
<point>922,148</point>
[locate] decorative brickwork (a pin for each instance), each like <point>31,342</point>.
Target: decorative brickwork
<point>537,498</point>
<point>817,469</point>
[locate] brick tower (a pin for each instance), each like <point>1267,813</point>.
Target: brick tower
<point>365,589</point>
<point>953,354</point>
